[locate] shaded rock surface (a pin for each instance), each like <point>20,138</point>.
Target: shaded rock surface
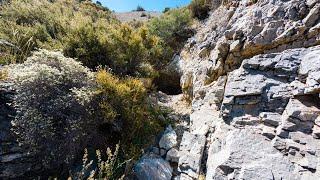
<point>153,167</point>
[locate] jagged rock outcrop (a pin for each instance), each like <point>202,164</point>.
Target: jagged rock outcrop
<point>272,129</point>
<point>243,30</point>
<point>252,73</point>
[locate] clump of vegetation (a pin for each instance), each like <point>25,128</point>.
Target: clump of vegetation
<point>140,8</point>
<point>127,100</point>
<point>166,10</point>
<point>102,169</point>
<point>3,74</point>
<point>119,46</point>
<point>172,27</point>
<point>54,107</point>
<point>44,24</point>
<point>200,8</point>
<point>88,32</point>
<point>61,105</point>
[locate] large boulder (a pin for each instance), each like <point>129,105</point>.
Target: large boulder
<point>152,167</point>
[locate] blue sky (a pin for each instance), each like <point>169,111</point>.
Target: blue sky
<point>149,5</point>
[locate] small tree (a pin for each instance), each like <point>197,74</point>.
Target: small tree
<point>200,8</point>
<point>99,3</point>
<point>140,8</point>
<point>166,10</point>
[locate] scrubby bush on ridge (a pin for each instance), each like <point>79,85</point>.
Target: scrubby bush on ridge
<point>127,100</point>
<point>200,8</point>
<point>90,34</point>
<point>45,23</point>
<point>54,107</point>
<point>117,46</point>
<point>173,27</point>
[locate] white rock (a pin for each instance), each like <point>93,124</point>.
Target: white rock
<point>169,139</point>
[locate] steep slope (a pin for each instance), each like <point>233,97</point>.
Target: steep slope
<point>252,73</point>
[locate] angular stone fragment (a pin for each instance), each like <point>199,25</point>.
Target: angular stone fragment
<point>313,16</point>
<point>300,115</point>
<point>310,63</point>
<point>269,132</point>
<point>169,139</point>
<point>316,132</point>
<point>309,162</point>
<point>270,118</point>
<point>191,151</point>
<point>173,155</point>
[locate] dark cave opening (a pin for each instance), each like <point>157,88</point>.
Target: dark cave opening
<point>168,83</point>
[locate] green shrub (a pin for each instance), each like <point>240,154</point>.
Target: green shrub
<point>118,46</point>
<point>166,10</point>
<point>200,8</point>
<point>172,27</point>
<point>90,34</point>
<point>61,106</point>
<point>30,24</point>
<point>140,8</point>
<point>127,100</point>
<point>54,107</point>
<point>88,46</point>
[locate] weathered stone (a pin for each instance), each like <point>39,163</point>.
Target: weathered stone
<point>173,155</point>
<point>163,152</point>
<point>152,167</point>
<point>269,132</point>
<point>309,161</point>
<point>155,150</point>
<point>270,118</point>
<point>300,114</point>
<point>202,120</point>
<point>313,16</point>
<point>265,49</point>
<point>191,151</point>
<point>244,150</point>
<point>316,132</point>
<point>169,139</point>
<point>279,144</point>
<point>310,63</point>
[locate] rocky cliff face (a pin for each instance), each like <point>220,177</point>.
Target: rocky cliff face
<point>253,74</point>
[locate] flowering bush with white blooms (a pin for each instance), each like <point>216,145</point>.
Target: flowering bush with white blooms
<point>55,109</point>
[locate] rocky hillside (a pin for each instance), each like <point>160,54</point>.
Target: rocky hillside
<point>252,74</point>
<point>249,108</point>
